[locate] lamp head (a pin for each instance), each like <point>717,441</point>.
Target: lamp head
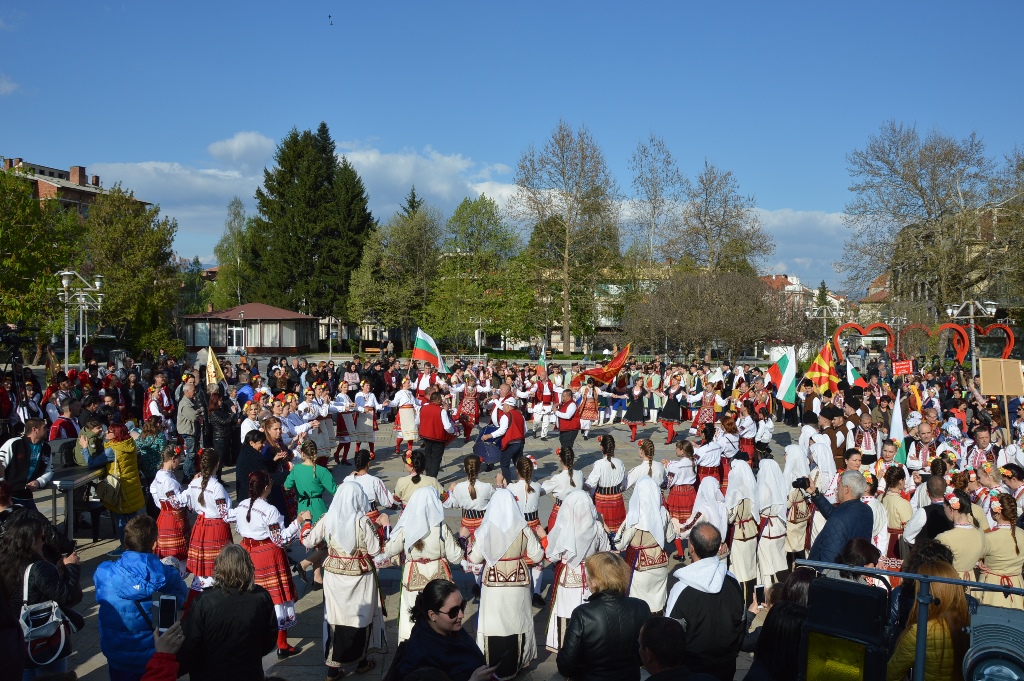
<point>97,281</point>
<point>949,310</point>
<point>65,278</point>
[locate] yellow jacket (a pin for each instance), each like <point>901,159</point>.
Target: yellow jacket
<point>939,658</point>
<point>125,467</point>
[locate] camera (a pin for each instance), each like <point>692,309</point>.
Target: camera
<point>801,483</point>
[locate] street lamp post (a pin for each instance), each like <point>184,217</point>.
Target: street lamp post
<point>84,300</point>
<point>969,309</point>
<point>896,323</point>
<point>824,313</point>
<point>241,323</point>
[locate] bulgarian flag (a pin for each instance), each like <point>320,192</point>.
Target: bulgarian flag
<point>896,433</point>
<point>853,377</point>
<point>426,349</point>
<point>782,375</point>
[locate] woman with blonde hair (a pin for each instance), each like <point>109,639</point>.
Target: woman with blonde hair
<point>1002,559</point>
<point>946,640</point>
<point>504,544</point>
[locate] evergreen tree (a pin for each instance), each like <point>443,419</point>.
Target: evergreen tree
<point>310,229</point>
<point>232,285</point>
<point>412,203</point>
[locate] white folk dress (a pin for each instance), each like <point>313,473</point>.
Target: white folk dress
<point>771,542</point>
<point>644,535</point>
<point>425,561</point>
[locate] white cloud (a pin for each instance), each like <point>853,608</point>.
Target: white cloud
<point>246,150</point>
<point>7,85</point>
<point>806,243</point>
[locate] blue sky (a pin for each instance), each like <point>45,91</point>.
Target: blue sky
<point>184,102</point>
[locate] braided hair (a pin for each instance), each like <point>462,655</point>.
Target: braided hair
<point>524,467</point>
<point>963,502</point>
<point>258,482</point>
<point>608,448</point>
<point>418,461</point>
<point>472,466</point>
<point>568,457</point>
<point>893,476</point>
<point>362,460</point>
<point>647,450</point>
<point>1008,509</point>
<point>208,463</point>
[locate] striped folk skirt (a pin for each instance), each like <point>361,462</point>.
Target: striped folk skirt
<point>209,536</point>
<point>172,528</point>
<point>470,522</point>
<point>679,503</point>
<point>608,501</point>
<point>274,575</point>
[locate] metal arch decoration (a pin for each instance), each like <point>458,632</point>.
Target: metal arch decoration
<point>961,341</point>
<point>983,331</point>
<point>862,331</point>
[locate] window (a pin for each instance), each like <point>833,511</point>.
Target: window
<point>288,336</point>
<point>270,334</point>
<point>190,333</point>
<point>218,333</point>
<point>202,333</point>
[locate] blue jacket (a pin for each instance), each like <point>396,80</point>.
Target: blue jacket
<point>842,523</point>
<point>125,637</point>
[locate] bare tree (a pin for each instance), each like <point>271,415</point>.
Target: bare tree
<point>659,193</point>
<point>720,229</point>
<point>566,188</point>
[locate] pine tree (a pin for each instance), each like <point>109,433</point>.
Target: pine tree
<point>310,229</point>
<point>232,282</point>
<point>412,203</point>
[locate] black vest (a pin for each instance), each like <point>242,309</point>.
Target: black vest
<point>936,521</point>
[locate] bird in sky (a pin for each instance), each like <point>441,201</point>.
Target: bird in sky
<point>330,19</point>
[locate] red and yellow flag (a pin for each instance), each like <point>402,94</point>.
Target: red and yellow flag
<point>600,375</point>
<point>822,371</point>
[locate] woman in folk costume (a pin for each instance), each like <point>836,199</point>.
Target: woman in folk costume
<point>468,413</point>
<point>562,483</point>
<point>708,458</point>
<point>729,440</point>
<point>648,467</point>
<point>771,542</point>
<point>472,496</point>
<point>406,408</point>
<point>207,497</point>
<point>682,485</point>
<point>528,498</point>
<point>798,509</point>
<point>428,545</point>
<point>319,408</point>
<point>1002,560</point>
<point>172,523</point>
<point>744,519</point>
<point>672,405</point>
<point>589,402</point>
<point>377,494</point>
<point>708,399</point>
<point>709,507</point>
<point>746,430</point>
<point>353,615</point>
<point>898,511</point>
<point>577,533</point>
<point>265,536</point>
<point>965,540</point>
<point>503,548</point>
<point>367,407</point>
<point>415,463</point>
<point>607,481</point>
<point>644,535</point>
<point>636,409</point>
<point>880,518</point>
<point>652,384</point>
<point>822,474</point>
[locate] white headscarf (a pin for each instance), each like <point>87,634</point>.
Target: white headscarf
<point>742,485</point>
<point>646,511</point>
<point>347,507</point>
<point>423,513</point>
<point>503,522</point>
<point>575,529</point>
<point>796,463</point>
<point>823,459</point>
<point>771,489</point>
<point>710,504</point>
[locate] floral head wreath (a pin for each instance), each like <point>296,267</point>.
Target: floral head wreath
<point>987,467</point>
<point>1006,473</point>
<point>407,458</point>
<point>993,502</point>
<point>869,477</point>
<point>971,473</point>
<point>952,500</point>
<point>533,460</point>
<point>949,479</point>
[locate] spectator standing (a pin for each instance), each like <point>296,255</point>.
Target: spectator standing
<point>222,426</point>
<point>124,591</point>
<point>188,422</point>
<point>120,458</point>
<point>26,462</point>
<point>843,522</point>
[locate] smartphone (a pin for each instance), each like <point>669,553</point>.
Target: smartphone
<point>167,613</point>
<point>759,594</point>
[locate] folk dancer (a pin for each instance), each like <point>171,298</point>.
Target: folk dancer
<point>965,540</point>
<point>682,486</point>
<point>544,396</point>
<point>652,385</point>
<point>744,520</point>
<point>471,496</point>
<point>798,509</point>
<point>406,408</point>
<point>771,532</point>
<point>367,407</point>
<point>1002,560</point>
<point>207,497</point>
<point>672,407</point>
<point>568,418</point>
<point>636,415</point>
<point>563,483</point>
<point>589,403</point>
<point>528,498</point>
<point>512,435</point>
<point>607,482</point>
<point>648,467</point>
<point>377,494</point>
<point>172,523</point>
<point>644,534</point>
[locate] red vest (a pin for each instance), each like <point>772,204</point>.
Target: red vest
<point>552,398</point>
<point>431,426</point>
<point>571,423</point>
<point>516,429</point>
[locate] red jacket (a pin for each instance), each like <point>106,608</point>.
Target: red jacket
<point>571,423</point>
<point>161,667</point>
<point>431,425</point>
<point>516,429</point>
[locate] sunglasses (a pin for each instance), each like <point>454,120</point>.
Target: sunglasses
<point>454,612</point>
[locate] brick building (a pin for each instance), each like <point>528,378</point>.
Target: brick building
<point>73,188</point>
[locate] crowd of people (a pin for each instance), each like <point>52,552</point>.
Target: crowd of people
<point>945,500</point>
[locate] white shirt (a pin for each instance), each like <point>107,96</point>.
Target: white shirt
<point>915,525</point>
<point>165,487</point>
<point>747,428</point>
<point>217,502</point>
<point>602,474</point>
<point>247,425</point>
<point>558,485</point>
<point>502,426</point>
<point>265,522</point>
<point>709,455</point>
<point>657,471</point>
<point>364,400</point>
<point>376,491</point>
<point>528,502</point>
<point>765,428</point>
<point>681,472</point>
<point>459,498</point>
<point>569,410</point>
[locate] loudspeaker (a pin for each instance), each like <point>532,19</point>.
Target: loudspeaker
<point>846,633</point>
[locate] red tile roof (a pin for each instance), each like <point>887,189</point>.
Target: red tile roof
<point>251,311</point>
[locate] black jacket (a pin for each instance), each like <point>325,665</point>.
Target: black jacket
<point>46,583</point>
<point>715,625</point>
<point>843,523</point>
<point>222,424</point>
<point>227,633</point>
<point>680,674</point>
<point>601,639</point>
<point>457,655</point>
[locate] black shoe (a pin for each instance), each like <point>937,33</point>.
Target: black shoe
<point>287,652</point>
<point>476,592</point>
<point>300,573</point>
<point>538,601</point>
<point>318,586</point>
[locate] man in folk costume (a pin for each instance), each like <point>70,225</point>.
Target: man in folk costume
<point>160,404</point>
<point>406,408</point>
<point>835,430</point>
<point>511,434</point>
<point>867,439</point>
<point>424,382</point>
<point>436,430</point>
<point>568,420</point>
<point>921,442</point>
<point>983,450</point>
<point>66,425</point>
<point>545,396</point>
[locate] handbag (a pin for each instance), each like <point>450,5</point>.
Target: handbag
<point>109,491</point>
<point>47,631</point>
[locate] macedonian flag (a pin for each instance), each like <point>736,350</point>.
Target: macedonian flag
<point>602,375</point>
<point>822,371</point>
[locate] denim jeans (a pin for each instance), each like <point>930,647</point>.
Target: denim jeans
<point>58,667</point>
<point>188,466</point>
<point>509,455</point>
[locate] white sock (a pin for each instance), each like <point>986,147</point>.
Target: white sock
<point>538,578</point>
